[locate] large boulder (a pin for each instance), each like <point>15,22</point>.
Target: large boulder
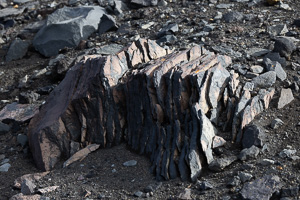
<point>67,26</point>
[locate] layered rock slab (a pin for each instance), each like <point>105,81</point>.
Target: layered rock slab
<point>163,104</point>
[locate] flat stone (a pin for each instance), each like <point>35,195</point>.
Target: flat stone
<point>256,69</point>
<point>19,112</point>
<point>265,80</point>
<point>266,162</point>
<point>261,188</point>
<point>143,3</point>
<point>81,154</point>
<point>109,49</point>
<point>5,167</point>
<point>257,52</point>
<point>17,49</point>
<point>7,12</point>
<point>21,196</point>
<point>130,163</point>
<point>249,153</point>
<point>47,189</point>
<point>233,16</point>
<point>220,163</point>
<point>286,97</point>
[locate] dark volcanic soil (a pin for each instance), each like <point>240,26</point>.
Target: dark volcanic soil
<point>102,174</point>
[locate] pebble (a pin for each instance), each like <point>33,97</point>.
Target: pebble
<point>138,193</point>
<point>267,162</point>
<point>130,163</point>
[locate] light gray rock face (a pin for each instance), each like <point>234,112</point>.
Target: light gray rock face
<point>265,80</point>
<point>17,50</point>
<point>275,66</point>
<point>220,163</point>
<point>261,188</point>
<point>286,97</point>
<point>66,27</point>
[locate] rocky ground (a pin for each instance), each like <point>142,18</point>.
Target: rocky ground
<point>257,35</point>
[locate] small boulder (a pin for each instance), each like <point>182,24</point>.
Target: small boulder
<point>284,46</point>
<point>265,80</point>
<point>276,123</point>
<point>249,153</point>
<point>253,135</point>
<point>17,49</point>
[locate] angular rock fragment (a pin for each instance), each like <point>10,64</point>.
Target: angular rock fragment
<point>249,153</point>
<point>31,177</point>
<point>286,97</point>
<point>67,26</point>
<point>275,66</point>
<point>265,80</point>
<point>19,112</point>
<point>261,188</point>
<point>220,163</point>
<point>81,154</point>
<point>284,46</point>
<point>253,135</point>
<point>17,50</point>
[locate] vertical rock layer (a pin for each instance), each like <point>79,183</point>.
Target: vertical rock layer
<point>165,105</point>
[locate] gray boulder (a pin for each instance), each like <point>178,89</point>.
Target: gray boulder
<point>284,46</point>
<point>275,66</point>
<point>265,80</point>
<point>261,188</point>
<point>17,49</point>
<point>66,27</point>
<point>249,153</point>
<point>253,135</point>
<point>4,128</point>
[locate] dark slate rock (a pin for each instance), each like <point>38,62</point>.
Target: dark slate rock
<point>290,192</point>
<point>17,49</point>
<point>297,22</point>
<point>275,66</point>
<point>107,23</point>
<point>168,30</point>
<point>285,47</point>
<point>274,56</point>
<point>233,16</point>
<point>27,187</point>
<point>235,181</point>
<point>257,52</point>
<point>265,80</point>
<point>153,187</point>
<point>167,39</point>
<point>253,135</point>
<point>66,27</point>
<point>220,163</point>
<point>22,140</point>
<point>45,90</point>
<point>204,185</point>
<point>28,97</point>
<point>245,176</point>
<point>276,30</point>
<point>4,128</point>
<point>6,12</point>
<point>261,188</point>
<point>249,153</point>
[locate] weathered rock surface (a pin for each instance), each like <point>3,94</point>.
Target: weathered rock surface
<point>163,105</point>
<point>261,188</point>
<point>67,26</point>
<point>19,112</point>
<point>17,49</point>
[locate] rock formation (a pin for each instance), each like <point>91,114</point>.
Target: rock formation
<point>167,105</point>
